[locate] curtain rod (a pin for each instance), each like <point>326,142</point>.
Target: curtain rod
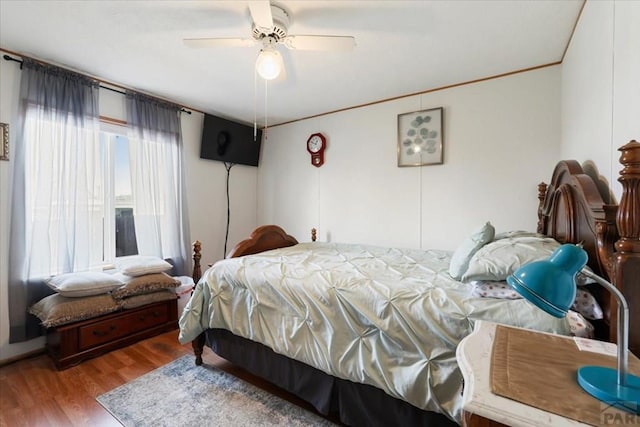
<point>9,58</point>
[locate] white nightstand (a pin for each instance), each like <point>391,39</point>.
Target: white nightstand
<point>481,406</point>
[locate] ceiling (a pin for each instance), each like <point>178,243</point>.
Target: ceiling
<point>402,47</point>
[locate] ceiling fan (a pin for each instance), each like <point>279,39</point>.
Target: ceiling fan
<point>270,28</point>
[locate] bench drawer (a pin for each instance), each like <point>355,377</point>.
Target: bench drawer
<point>72,343</point>
<point>107,330</point>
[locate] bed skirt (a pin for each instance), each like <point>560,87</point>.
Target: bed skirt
<point>352,403</point>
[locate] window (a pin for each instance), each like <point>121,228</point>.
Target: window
<point>119,231</point>
<point>68,170</point>
<point>109,196</point>
<point>102,209</point>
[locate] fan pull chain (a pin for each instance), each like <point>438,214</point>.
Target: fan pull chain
<point>255,104</point>
<point>266,83</point>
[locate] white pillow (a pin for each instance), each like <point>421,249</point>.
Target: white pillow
<point>580,327</point>
<point>462,255</point>
<point>516,233</point>
<point>83,284</point>
<point>501,258</point>
<point>491,289</point>
<point>139,265</point>
<point>585,303</point>
<point>509,251</point>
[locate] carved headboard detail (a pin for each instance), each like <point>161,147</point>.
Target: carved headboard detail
<point>572,210</point>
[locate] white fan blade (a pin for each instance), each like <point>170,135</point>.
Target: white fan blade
<point>216,42</point>
<point>327,43</point>
<point>261,15</point>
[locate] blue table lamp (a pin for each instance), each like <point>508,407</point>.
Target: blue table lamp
<point>550,285</point>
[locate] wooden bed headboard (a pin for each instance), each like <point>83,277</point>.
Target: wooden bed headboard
<point>262,239</point>
<point>572,210</point>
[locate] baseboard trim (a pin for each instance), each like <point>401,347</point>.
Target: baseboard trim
<point>27,355</point>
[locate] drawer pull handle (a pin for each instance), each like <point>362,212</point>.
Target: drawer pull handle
<point>99,333</point>
<point>154,314</point>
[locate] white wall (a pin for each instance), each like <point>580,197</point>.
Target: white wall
<point>601,87</point>
<point>502,138</point>
<point>206,194</point>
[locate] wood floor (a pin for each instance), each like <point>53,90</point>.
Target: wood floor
<point>33,393</point>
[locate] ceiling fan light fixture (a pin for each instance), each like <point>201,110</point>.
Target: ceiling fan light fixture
<point>269,63</point>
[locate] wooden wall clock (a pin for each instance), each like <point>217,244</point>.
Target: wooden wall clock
<point>315,146</point>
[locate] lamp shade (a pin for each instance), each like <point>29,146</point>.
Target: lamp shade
<point>269,63</point>
<point>550,284</point>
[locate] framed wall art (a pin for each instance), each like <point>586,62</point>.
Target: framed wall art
<point>4,141</point>
<point>420,138</point>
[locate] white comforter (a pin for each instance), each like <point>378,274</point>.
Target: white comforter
<point>391,318</point>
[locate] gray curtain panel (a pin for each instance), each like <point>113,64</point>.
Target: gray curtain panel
<point>157,180</point>
<point>47,95</point>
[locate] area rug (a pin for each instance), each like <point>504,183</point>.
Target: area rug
<point>183,394</point>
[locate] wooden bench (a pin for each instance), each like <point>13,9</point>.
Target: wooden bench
<point>72,343</point>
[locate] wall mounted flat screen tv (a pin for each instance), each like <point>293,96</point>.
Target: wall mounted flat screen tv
<point>228,141</point>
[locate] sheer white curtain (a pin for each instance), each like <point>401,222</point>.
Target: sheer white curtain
<point>157,179</point>
<point>58,196</point>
